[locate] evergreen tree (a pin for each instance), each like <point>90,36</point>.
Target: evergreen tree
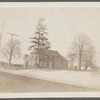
<point>39,40</point>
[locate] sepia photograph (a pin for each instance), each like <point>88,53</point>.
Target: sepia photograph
<point>49,48</point>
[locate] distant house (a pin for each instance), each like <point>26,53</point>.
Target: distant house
<point>3,64</point>
<point>43,58</point>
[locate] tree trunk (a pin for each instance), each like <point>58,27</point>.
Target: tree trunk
<point>10,58</point>
<point>79,64</point>
<point>80,60</point>
<point>9,62</point>
<point>86,68</point>
<point>80,57</point>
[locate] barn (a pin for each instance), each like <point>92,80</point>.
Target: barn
<point>43,58</point>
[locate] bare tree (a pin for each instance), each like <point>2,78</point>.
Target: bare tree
<point>89,57</point>
<point>11,50</point>
<point>82,50</point>
<point>71,58</point>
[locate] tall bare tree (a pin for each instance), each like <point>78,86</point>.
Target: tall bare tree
<point>89,57</point>
<point>82,50</point>
<point>11,50</point>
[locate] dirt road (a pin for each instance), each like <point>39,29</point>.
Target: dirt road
<point>11,83</point>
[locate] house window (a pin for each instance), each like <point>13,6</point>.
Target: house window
<point>50,64</point>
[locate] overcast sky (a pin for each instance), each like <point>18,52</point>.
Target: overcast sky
<point>63,24</point>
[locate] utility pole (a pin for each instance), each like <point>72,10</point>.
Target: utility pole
<point>12,34</point>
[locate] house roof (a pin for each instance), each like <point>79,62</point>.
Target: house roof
<point>54,53</point>
<point>47,52</point>
<point>64,58</point>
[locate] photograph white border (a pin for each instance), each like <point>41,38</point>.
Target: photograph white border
<point>49,5</point>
